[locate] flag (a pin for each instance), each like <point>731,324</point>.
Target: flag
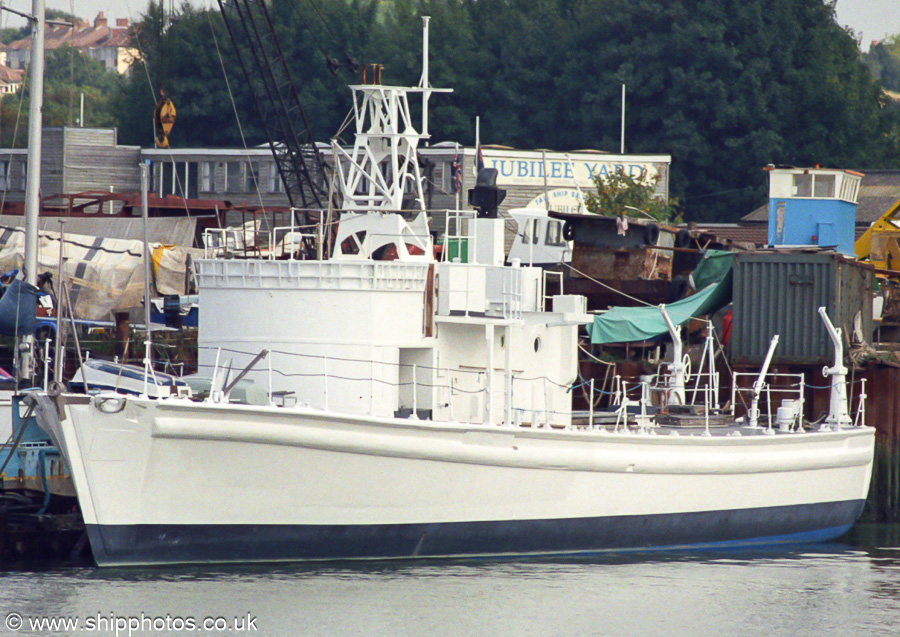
<point>479,160</point>
<point>457,174</point>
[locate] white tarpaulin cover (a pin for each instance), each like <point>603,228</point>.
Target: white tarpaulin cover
<point>103,275</point>
<point>177,231</point>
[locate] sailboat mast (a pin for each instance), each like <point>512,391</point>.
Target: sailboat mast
<point>33,170</point>
<point>33,173</point>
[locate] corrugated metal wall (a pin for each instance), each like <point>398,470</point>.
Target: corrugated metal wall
<point>780,293</point>
<point>94,162</point>
<point>52,166</point>
<point>78,159</point>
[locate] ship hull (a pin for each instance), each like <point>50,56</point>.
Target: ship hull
<point>145,544</point>
<point>171,481</point>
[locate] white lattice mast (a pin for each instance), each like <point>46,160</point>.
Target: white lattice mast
<point>382,170</point>
<point>382,167</point>
<point>380,177</point>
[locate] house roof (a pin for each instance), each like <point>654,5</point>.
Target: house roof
<point>83,35</point>
<point>878,191</point>
<point>11,76</point>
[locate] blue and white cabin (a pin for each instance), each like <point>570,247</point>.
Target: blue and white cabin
<point>813,206</point>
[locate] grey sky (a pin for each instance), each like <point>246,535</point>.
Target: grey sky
<point>88,9</point>
<point>869,19</point>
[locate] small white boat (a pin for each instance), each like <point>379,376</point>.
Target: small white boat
<point>430,415</point>
<point>100,375</point>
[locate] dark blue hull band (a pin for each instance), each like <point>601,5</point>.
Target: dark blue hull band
<point>177,544</point>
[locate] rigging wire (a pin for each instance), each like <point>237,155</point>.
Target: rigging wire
<point>176,178</point>
<point>144,61</point>
<point>318,12</point>
<point>510,222</point>
<point>237,116</point>
<point>21,95</point>
<point>337,41</point>
<point>72,67</point>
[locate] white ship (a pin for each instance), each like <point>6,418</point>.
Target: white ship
<point>420,408</point>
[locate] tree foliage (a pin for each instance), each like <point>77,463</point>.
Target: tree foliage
<point>621,194</point>
<point>883,60</point>
<point>724,86</point>
<point>69,76</point>
<point>8,35</point>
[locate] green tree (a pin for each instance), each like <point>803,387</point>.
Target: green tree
<point>883,60</point>
<point>13,121</point>
<point>69,74</point>
<point>622,194</point>
<point>8,35</point>
<point>724,86</point>
<point>190,56</point>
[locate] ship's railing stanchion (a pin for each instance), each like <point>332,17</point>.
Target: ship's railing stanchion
<point>450,390</point>
<point>591,407</point>
<point>325,380</point>
<point>861,405</point>
<point>546,402</point>
<point>802,399</point>
<point>415,394</point>
<point>706,407</point>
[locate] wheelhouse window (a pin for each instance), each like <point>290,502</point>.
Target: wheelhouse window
<point>554,233</point>
<point>823,186</point>
<point>803,185</point>
<point>816,186</point>
<point>532,231</point>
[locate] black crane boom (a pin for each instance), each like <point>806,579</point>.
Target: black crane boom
<point>299,163</point>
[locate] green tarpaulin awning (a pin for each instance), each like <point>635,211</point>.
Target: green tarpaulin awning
<point>631,324</point>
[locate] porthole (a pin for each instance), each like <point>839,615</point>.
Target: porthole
<point>537,344</point>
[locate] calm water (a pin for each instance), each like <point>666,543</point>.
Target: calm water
<point>846,588</point>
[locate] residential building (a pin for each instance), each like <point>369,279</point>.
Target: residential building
<point>111,46</point>
<point>10,80</point>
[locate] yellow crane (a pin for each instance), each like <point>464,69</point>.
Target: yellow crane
<point>880,244</point>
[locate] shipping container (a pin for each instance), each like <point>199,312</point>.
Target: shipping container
<point>779,292</point>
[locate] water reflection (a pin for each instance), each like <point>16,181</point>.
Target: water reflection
<point>842,588</point>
